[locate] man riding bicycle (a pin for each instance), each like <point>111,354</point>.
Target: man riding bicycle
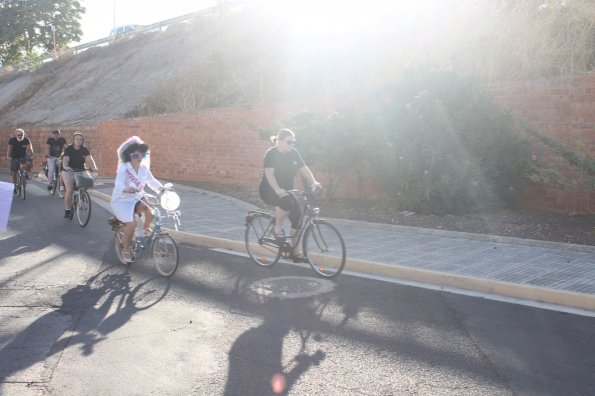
<point>55,144</point>
<point>17,154</point>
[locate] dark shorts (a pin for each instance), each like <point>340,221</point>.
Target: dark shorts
<point>15,163</point>
<point>287,202</point>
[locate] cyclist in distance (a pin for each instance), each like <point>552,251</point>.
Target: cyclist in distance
<point>75,159</point>
<point>131,177</point>
<point>282,163</point>
<point>17,153</point>
<point>55,144</point>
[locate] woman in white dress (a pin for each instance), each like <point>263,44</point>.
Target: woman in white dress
<point>131,177</point>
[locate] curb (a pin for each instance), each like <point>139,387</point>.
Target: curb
<point>400,272</point>
<point>419,230</point>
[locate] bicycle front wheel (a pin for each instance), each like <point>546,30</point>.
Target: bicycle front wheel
<point>164,252</point>
<point>324,248</point>
<point>260,241</point>
<point>54,184</point>
<point>83,208</point>
<point>23,190</point>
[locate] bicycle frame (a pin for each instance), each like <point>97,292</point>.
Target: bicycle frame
<point>309,215</point>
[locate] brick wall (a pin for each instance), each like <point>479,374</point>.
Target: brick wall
<point>562,108</point>
<point>218,145</point>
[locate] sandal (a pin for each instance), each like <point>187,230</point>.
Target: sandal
<point>127,257</point>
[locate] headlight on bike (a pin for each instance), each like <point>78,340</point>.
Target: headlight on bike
<point>170,201</point>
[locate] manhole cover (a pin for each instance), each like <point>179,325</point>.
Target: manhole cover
<point>291,287</point>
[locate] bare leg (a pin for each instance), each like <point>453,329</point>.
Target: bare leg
<point>280,217</point>
<point>128,233</point>
<point>148,218</point>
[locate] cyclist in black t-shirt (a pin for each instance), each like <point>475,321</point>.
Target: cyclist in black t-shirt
<point>281,164</point>
<point>76,158</point>
<point>55,144</point>
<point>17,153</point>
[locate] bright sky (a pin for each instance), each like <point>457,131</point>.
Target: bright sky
<point>98,20</point>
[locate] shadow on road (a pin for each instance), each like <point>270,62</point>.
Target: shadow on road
<point>256,361</point>
<point>106,300</point>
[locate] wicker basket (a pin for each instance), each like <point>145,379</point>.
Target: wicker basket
<point>83,180</point>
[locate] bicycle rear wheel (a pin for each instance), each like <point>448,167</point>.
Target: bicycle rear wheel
<point>119,244</point>
<point>324,248</point>
<point>83,208</point>
<point>164,252</point>
<point>260,241</point>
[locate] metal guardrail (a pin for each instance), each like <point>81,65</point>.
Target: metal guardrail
<point>212,11</point>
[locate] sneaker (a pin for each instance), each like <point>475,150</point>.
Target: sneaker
<point>66,213</point>
<point>61,188</point>
<point>49,187</point>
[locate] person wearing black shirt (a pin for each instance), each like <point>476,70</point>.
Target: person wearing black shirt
<point>55,144</point>
<point>282,163</point>
<point>17,153</point>
<point>76,159</point>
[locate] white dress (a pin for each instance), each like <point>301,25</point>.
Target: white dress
<point>126,176</point>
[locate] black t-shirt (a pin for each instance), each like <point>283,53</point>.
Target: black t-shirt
<point>285,166</point>
<point>56,146</point>
<point>76,157</point>
<point>19,149</point>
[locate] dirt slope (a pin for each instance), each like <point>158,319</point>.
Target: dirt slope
<point>101,83</point>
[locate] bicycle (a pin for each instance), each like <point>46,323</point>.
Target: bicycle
<point>54,183</point>
<point>21,184</point>
<point>81,200</point>
<point>164,250</point>
<point>322,244</point>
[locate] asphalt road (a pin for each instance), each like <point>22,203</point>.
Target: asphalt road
<point>73,321</point>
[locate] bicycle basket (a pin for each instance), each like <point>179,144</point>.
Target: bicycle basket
<point>83,180</point>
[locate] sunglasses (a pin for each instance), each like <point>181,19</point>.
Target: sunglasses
<point>138,155</point>
<point>290,142</point>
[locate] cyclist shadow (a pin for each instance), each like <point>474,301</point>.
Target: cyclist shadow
<point>256,362</point>
<point>87,315</point>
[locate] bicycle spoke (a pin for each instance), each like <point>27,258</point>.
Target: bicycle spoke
<point>83,208</point>
<point>164,252</point>
<point>260,244</point>
<point>325,249</point>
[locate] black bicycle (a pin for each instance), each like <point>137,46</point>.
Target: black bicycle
<point>54,183</point>
<point>21,184</point>
<point>322,244</point>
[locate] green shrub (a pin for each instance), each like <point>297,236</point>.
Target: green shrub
<point>442,146</point>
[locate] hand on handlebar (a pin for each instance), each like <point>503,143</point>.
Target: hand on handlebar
<point>167,187</point>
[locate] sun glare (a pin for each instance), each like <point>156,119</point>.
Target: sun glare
<point>332,18</point>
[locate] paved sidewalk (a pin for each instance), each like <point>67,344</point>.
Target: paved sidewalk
<point>548,272</point>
